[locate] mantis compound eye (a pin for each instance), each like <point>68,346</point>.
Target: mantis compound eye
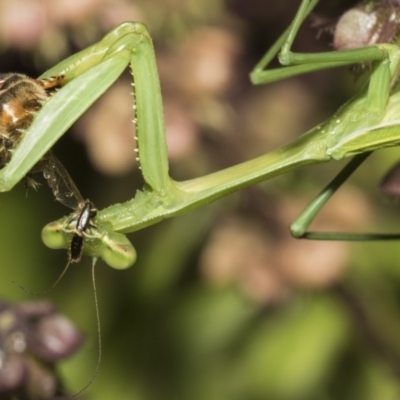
<point>113,248</point>
<point>117,251</point>
<point>53,236</point>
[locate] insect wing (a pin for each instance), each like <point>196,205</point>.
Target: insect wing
<point>61,184</point>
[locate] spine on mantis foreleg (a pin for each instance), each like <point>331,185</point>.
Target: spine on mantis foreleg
<point>131,43</point>
<point>149,118</point>
<point>88,75</point>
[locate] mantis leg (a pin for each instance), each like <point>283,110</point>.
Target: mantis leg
<point>287,57</point>
<point>377,95</point>
<point>300,226</point>
<point>386,57</point>
<point>260,76</point>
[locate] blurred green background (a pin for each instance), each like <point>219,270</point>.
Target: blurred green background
<point>222,303</point>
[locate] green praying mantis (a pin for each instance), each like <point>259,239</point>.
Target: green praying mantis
<point>369,121</point>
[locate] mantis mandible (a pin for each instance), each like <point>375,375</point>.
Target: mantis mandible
<point>368,122</point>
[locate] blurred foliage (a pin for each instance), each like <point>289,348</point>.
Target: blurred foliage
<point>222,303</point>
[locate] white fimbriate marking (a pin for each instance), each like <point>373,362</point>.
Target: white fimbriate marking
<point>9,111</point>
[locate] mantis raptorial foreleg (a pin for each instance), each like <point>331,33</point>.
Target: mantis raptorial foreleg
<point>366,123</point>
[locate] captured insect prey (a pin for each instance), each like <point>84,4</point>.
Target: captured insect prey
<point>66,192</point>
<point>82,224</point>
<point>20,98</point>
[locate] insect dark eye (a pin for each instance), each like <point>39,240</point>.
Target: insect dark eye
<point>6,142</point>
<point>31,105</point>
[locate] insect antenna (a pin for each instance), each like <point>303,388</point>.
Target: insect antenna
<point>43,292</point>
<point>96,305</point>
